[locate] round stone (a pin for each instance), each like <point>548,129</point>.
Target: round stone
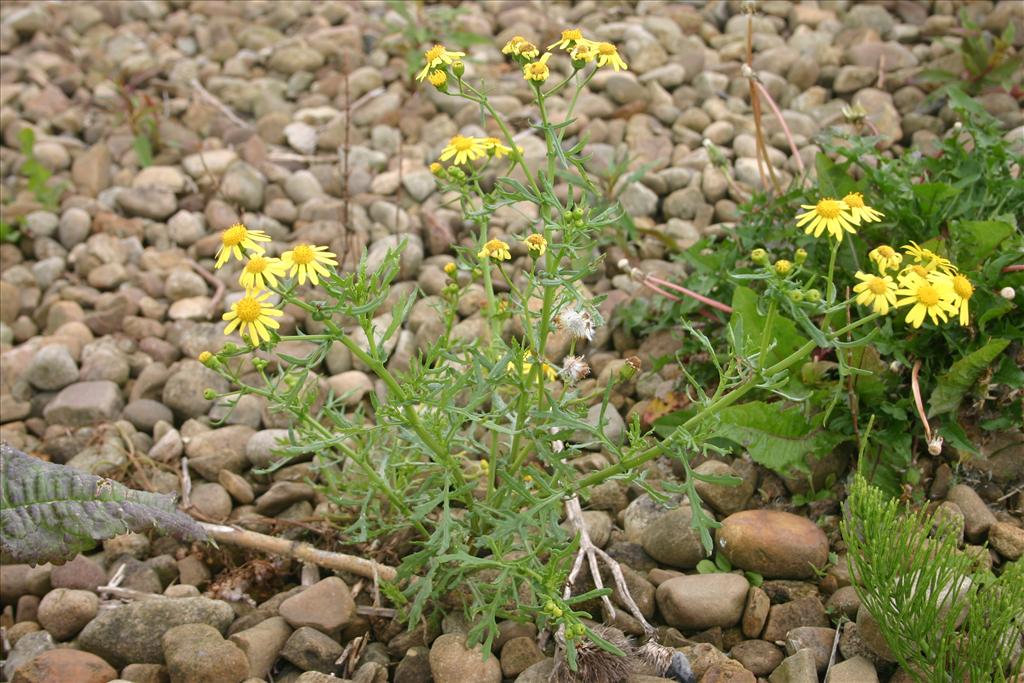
<point>777,545</point>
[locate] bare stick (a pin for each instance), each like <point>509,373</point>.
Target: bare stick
<point>218,294</point>
<point>223,108</point>
<point>186,484</point>
<point>782,122</point>
<point>300,551</point>
<point>646,280</point>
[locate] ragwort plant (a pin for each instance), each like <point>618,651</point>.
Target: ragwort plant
<point>468,460</point>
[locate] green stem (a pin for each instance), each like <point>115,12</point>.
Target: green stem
<point>830,286</point>
<point>766,332</point>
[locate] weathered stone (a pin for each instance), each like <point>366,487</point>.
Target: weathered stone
<point>773,543</point>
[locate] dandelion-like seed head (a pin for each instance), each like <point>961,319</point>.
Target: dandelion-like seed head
<point>574,368</point>
<point>579,324</point>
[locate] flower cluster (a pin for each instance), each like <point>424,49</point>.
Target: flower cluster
<point>437,61</point>
<point>838,216</point>
<point>462,149</point>
<point>253,315</point>
<point>581,50</point>
<point>930,284</point>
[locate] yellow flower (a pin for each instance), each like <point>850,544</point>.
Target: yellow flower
<point>584,52</point>
<point>464,149</point>
<point>547,370</point>
<point>308,261</point>
<point>261,270</point>
<point>436,168</point>
<point>435,57</point>
<point>252,315</point>
<point>538,71</point>
<point>495,147</point>
<point>609,54</point>
<point>450,268</point>
<point>860,210</point>
<point>929,258</point>
<point>932,296</point>
<point>963,290</point>
<point>570,37</point>
<point>235,239</point>
<point>885,257</point>
<point>877,292</point>
<point>528,50</point>
<point>438,78</point>
<point>512,46</point>
<point>782,266</point>
<point>205,357</point>
<point>495,249</point>
<point>536,243</point>
<point>828,214</point>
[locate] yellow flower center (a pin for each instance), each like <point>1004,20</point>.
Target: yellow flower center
<point>234,235</point>
<point>607,49</point>
<point>928,295</point>
<point>878,286</point>
<point>962,286</point>
<point>920,271</point>
<point>829,208</point>
<point>572,34</point>
<point>885,251</point>
<point>437,78</point>
<point>256,264</point>
<point>303,254</point>
<point>248,309</point>
<point>434,53</point>
<point>537,70</point>
<point>854,200</point>
<point>462,143</point>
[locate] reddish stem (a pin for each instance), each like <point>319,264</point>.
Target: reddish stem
<point>1015,268</point>
<point>915,387</point>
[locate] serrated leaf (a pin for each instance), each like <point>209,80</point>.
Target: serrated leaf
<point>961,376</point>
<point>775,437</point>
<point>978,239</point>
<point>50,513</point>
<point>747,323</point>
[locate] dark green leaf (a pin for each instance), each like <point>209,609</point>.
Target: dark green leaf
<point>978,239</point>
<point>961,376</point>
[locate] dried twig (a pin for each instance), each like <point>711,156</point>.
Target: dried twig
<point>218,294</point>
<point>656,283</point>
<point>300,551</point>
<point>223,108</point>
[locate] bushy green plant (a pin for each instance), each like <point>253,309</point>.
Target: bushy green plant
<point>989,62</point>
<point>38,176</point>
<point>945,619</point>
<point>961,203</point>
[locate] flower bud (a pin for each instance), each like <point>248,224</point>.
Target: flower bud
<point>759,256</point>
<point>450,268</point>
<point>230,347</point>
<point>458,68</point>
<point>782,266</point>
<point>795,295</point>
<point>436,168</point>
<point>812,295</point>
<point>209,394</point>
<point>629,369</point>
<point>205,357</point>
<point>800,256</point>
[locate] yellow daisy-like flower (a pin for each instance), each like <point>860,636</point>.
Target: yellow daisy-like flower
<point>536,243</point>
<point>495,249</point>
<point>308,261</point>
<point>877,292</point>
<point>583,52</point>
<point>609,54</point>
<point>464,149</point>
<point>437,78</point>
<point>495,147</point>
<point>929,258</point>
<point>861,211</point>
<point>435,57</point>
<point>828,213</point>
<point>235,239</point>
<point>570,37</point>
<point>512,46</point>
<point>261,270</point>
<point>538,71</point>
<point>528,50</point>
<point>886,258</point>
<point>963,290</point>
<point>932,297</point>
<point>548,371</point>
<point>252,315</point>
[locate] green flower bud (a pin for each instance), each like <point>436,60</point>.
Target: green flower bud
<point>230,347</point>
<point>759,256</point>
<point>629,370</point>
<point>812,295</point>
<point>209,394</point>
<point>458,68</point>
<point>795,295</point>
<point>800,256</point>
<point>782,266</point>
